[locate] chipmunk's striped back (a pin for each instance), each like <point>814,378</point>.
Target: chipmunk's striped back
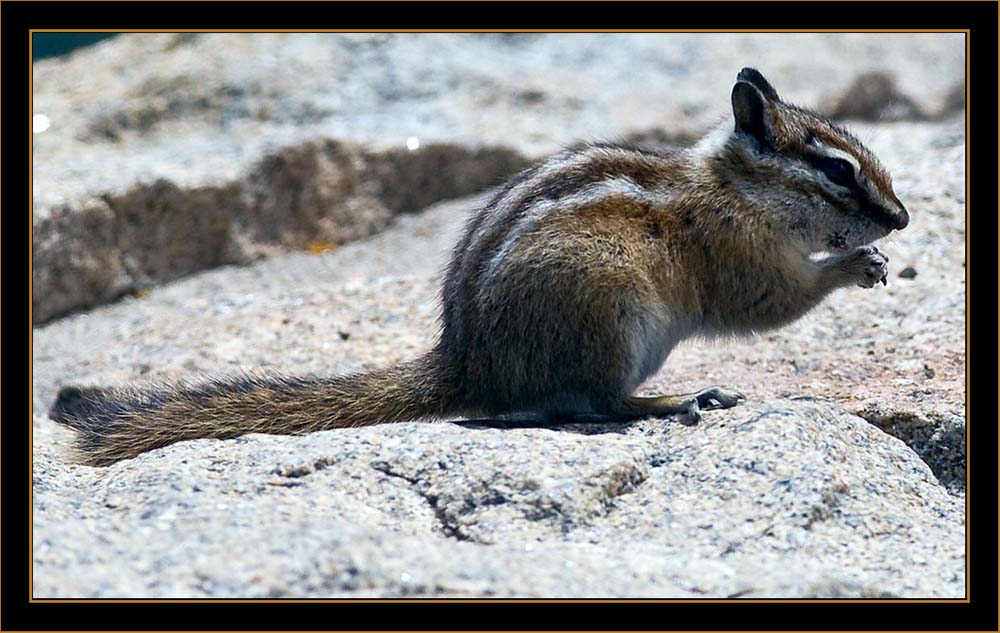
<point>571,180</point>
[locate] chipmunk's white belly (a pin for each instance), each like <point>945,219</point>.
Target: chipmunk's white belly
<point>650,340</point>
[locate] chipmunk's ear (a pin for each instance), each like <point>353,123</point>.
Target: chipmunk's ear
<point>753,114</point>
<point>753,76</point>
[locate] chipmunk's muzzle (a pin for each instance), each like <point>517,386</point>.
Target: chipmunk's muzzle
<point>902,217</point>
<point>897,218</point>
<point>894,217</point>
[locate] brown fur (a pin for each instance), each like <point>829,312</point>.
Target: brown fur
<point>573,284</point>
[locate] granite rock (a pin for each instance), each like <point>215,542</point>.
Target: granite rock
<point>785,498</point>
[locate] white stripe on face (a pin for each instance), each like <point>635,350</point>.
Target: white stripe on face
<point>833,152</point>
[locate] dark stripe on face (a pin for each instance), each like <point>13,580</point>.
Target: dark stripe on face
<point>841,172</point>
<point>874,210</point>
<point>838,170</point>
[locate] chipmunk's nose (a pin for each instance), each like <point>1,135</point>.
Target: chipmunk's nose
<point>902,218</point>
<point>894,214</point>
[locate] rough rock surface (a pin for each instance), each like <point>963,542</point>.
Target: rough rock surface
<point>232,160</point>
<point>790,494</point>
<point>806,502</point>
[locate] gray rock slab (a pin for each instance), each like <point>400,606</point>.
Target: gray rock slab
<point>788,498</point>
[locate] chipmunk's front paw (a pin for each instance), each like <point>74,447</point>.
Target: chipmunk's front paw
<point>870,264</point>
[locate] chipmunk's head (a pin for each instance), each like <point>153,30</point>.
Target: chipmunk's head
<point>831,190</point>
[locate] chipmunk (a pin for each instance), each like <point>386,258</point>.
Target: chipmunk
<point>571,286</point>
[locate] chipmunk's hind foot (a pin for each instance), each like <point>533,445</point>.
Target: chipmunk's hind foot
<point>716,397</point>
<point>690,404</point>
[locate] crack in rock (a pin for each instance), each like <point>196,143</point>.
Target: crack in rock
<point>563,506</point>
<point>301,470</point>
<point>828,505</point>
<point>446,522</point>
<point>939,440</point>
<point>614,482</point>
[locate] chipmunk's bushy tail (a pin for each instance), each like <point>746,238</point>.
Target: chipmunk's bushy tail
<point>122,422</point>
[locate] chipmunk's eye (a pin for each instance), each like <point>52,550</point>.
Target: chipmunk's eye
<point>838,170</point>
